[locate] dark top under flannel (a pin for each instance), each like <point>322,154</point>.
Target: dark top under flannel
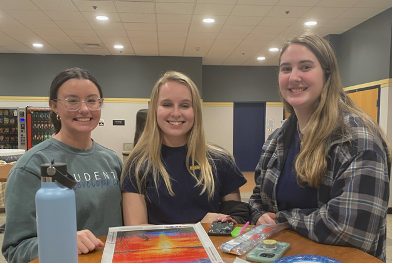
<point>352,199</point>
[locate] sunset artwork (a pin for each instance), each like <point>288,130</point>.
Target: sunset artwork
<point>159,245</point>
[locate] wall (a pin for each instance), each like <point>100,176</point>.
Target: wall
<point>240,83</point>
<point>119,76</point>
<point>364,52</point>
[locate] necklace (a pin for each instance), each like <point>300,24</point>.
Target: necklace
<point>299,133</point>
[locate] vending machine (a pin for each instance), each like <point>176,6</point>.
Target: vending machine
<point>12,128</point>
<point>38,125</point>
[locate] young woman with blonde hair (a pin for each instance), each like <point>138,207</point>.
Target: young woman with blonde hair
<point>326,171</point>
<point>173,175</point>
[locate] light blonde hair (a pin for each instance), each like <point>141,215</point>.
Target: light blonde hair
<point>145,159</point>
<point>327,118</point>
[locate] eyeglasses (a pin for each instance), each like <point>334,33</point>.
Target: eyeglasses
<point>74,104</point>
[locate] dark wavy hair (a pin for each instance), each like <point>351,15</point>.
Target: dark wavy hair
<point>62,77</point>
<point>141,117</point>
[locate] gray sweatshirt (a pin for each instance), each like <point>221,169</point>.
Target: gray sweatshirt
<point>98,198</point>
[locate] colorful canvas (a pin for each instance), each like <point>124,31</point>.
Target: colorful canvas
<point>159,244</point>
<point>164,245</point>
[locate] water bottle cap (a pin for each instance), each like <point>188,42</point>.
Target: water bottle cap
<point>58,171</point>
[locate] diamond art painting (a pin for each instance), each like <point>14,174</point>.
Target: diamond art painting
<point>161,245</point>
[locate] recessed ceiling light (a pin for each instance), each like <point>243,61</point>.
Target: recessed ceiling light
<point>273,49</point>
<point>208,20</point>
<point>118,46</point>
<point>101,17</point>
<point>310,23</point>
<point>38,45</point>
<point>261,58</point>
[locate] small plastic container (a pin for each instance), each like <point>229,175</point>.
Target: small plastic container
<point>236,230</point>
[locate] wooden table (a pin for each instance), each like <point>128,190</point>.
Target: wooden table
<point>299,246</point>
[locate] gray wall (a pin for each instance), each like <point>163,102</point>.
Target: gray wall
<point>240,83</point>
<point>119,76</point>
<point>364,52</point>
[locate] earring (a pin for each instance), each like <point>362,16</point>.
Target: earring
<point>58,117</point>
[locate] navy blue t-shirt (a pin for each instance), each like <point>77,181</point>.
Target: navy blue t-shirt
<point>289,194</point>
<point>188,205</point>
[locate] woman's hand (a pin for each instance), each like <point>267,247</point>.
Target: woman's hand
<point>211,217</point>
<point>267,218</point>
<point>87,241</point>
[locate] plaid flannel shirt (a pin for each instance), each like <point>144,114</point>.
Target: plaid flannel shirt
<point>352,199</point>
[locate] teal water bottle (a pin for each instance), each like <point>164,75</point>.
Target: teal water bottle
<point>56,215</point>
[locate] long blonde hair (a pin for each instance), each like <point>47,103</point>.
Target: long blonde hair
<point>327,119</point>
<point>145,159</point>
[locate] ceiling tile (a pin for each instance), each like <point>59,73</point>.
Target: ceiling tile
<point>202,35</point>
<point>142,34</point>
<point>135,7</point>
<point>21,49</point>
<point>143,41</point>
<point>258,2</point>
<point>111,41</point>
<point>298,2</point>
<point>73,24</point>
<point>268,30</point>
<point>338,3</point>
<point>251,10</point>
<point>174,35</point>
<point>146,50</point>
<point>97,51</point>
<point>138,18</point>
<point>325,12</point>
<point>58,5</point>
<point>140,26</point>
<point>213,9</point>
<point>175,1</point>
<point>176,19</point>
<point>280,11</point>
<point>4,15</point>
<point>66,50</point>
<point>243,20</point>
<point>7,40</point>
<point>18,4</point>
<point>199,42</point>
<point>223,2</point>
<point>236,29</point>
<point>277,21</point>
<point>102,6</point>
<point>91,17</point>
<point>11,23</point>
<point>175,8</point>
<point>323,31</point>
<point>239,36</point>
<point>65,16</point>
<point>4,50</point>
<point>86,39</point>
<point>359,12</point>
<point>170,41</point>
<point>198,19</point>
<point>206,28</point>
<point>173,27</point>
<point>34,24</point>
<point>190,51</point>
<point>112,26</point>
<point>385,4</point>
<point>49,32</point>
<point>344,22</point>
<point>171,50</point>
<point>28,14</point>
<point>111,33</point>
<point>224,42</point>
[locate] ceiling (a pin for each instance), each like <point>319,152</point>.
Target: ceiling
<point>243,31</point>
